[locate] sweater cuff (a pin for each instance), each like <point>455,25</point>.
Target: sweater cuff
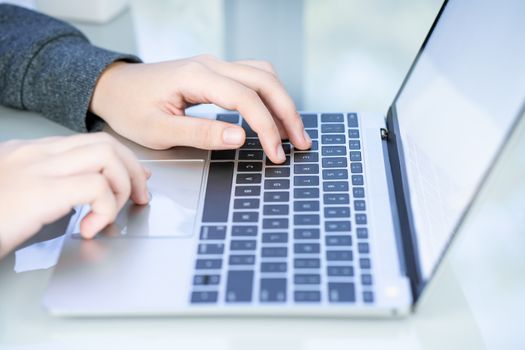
<point>61,78</point>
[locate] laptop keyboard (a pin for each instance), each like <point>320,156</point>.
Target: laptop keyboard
<point>295,232</point>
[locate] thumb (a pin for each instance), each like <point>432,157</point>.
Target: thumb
<point>197,132</point>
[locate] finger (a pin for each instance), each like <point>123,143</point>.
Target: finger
<point>262,65</point>
<point>92,189</point>
<point>98,158</point>
<point>232,95</point>
<point>137,175</point>
<point>272,92</point>
<point>197,132</point>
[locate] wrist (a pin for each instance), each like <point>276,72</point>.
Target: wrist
<point>101,99</point>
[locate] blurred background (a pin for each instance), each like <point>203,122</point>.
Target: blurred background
<point>331,54</point>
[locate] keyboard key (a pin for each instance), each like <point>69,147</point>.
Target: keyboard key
<point>339,240</point>
<point>281,184</point>
<point>306,181</point>
<point>275,209</point>
<point>274,252</point>
<point>204,297</point>
<point>357,180</point>
<point>356,168</point>
<point>307,296</point>
<point>250,155</point>
<point>211,248</point>
<point>354,144</point>
<point>306,206</point>
<point>309,120</point>
<point>213,232</point>
<point>306,168</point>
<point>239,286</point>
<point>355,156</point>
<point>246,216</point>
<point>335,174</point>
<point>243,245</point>
<point>218,191</point>
<point>362,232</point>
<point>303,193</point>
<point>363,248</point>
<point>306,233</point>
<point>208,264</point>
<point>305,157</point>
<point>353,133</point>
<point>273,290</point>
<point>332,118</point>
<point>341,292</point>
<point>223,155</point>
<point>307,278</point>
<point>244,167</point>
<point>247,191</point>
<point>206,280</point>
<point>333,150</point>
<point>306,248</point>
<point>333,139</point>
<point>249,178</point>
<point>271,197</point>
<point>332,128</point>
<point>277,172</point>
<point>304,263</point>
<point>305,220</point>
<point>275,223</point>
<point>359,192</point>
<point>244,231</point>
<point>315,146</point>
<point>287,148</point>
<point>339,255</point>
<point>359,205</point>
<point>337,212</point>
<point>252,144</point>
<point>275,237</point>
<point>335,186</point>
<point>273,267</point>
<point>364,263</point>
<point>338,271</point>
<point>313,133</point>
<point>334,162</point>
<point>236,260</point>
<point>248,129</point>
<point>286,162</point>
<point>352,120</point>
<point>360,219</point>
<point>368,297</point>
<point>337,226</point>
<point>336,198</point>
<point>228,118</point>
<point>366,279</point>
<point>246,203</point>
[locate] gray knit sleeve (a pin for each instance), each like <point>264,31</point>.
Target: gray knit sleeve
<point>48,66</point>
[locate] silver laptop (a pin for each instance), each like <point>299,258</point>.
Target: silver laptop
<point>355,226</point>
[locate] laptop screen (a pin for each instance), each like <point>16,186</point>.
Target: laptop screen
<point>456,110</point>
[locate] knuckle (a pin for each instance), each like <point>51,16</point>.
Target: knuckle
<point>267,66</point>
<point>192,67</point>
<point>206,58</point>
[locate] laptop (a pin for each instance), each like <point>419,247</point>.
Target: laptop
<point>355,226</point>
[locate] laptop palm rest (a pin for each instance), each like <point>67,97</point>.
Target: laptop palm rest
<point>175,187</point>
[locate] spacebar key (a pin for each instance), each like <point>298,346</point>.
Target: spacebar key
<point>218,192</point>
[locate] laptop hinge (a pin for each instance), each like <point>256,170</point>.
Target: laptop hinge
<point>405,227</point>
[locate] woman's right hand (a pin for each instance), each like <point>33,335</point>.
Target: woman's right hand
<point>42,180</point>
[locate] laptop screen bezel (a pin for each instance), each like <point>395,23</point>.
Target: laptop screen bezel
<point>401,186</point>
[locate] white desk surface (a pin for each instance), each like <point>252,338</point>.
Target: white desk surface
<point>476,301</point>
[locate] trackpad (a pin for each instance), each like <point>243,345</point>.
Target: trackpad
<point>175,189</point>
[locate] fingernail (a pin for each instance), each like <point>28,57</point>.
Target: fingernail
<point>307,137</point>
<point>232,136</point>
<point>281,157</point>
<point>147,171</point>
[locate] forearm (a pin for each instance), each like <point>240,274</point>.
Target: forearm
<point>50,67</point>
